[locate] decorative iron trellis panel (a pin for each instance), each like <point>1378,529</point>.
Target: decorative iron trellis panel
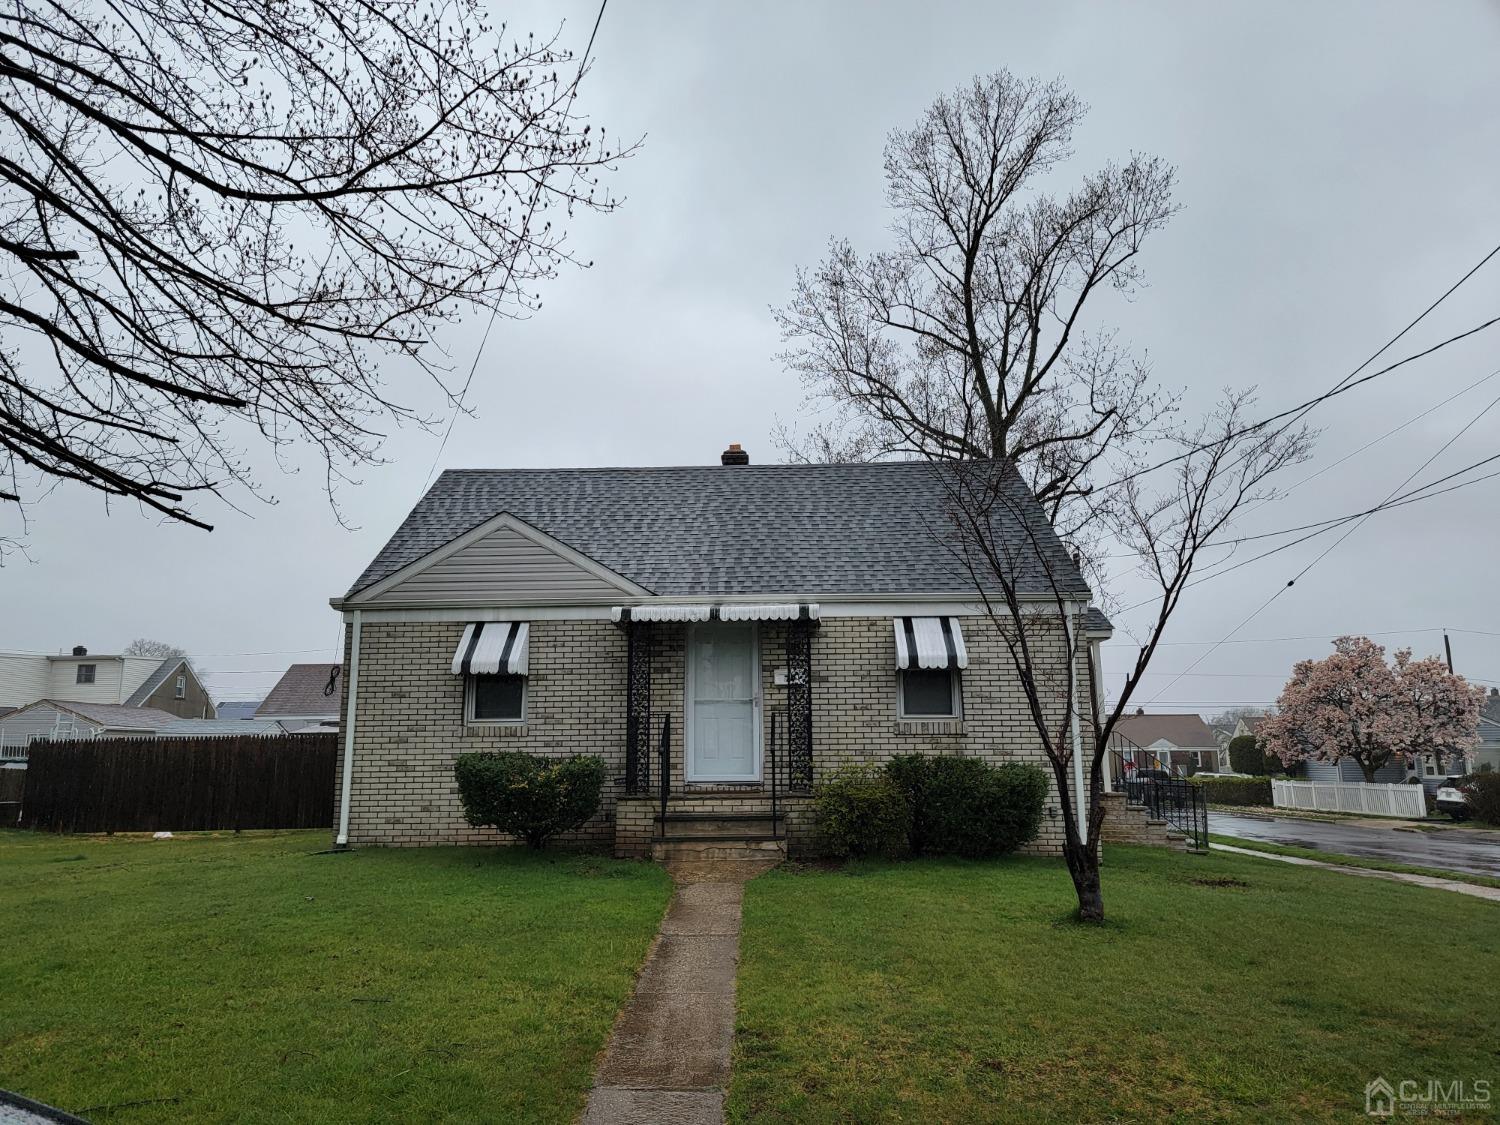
<point>638,708</point>
<point>799,706</point>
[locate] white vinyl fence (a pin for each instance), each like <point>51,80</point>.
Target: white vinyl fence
<point>1350,797</point>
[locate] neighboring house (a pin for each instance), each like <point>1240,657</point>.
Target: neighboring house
<point>1246,726</point>
<point>237,709</point>
<point>1487,753</point>
<point>65,719</point>
<point>736,616</point>
<point>1179,743</point>
<point>306,695</point>
<point>1347,769</point>
<point>168,685</point>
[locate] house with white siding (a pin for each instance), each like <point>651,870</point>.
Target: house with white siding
<point>44,696</point>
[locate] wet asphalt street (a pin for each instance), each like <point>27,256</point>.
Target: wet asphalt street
<point>1470,850</point>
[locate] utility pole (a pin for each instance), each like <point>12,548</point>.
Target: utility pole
<point>1448,648</point>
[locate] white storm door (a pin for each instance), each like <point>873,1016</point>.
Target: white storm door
<point>723,694</point>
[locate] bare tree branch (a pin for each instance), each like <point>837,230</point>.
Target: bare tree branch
<point>219,222</point>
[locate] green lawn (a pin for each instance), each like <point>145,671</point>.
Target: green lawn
<point>1222,987</point>
<point>213,978</point>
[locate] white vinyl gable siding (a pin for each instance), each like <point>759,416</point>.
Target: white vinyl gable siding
<point>503,567</point>
<point>138,669</point>
<point>23,679</point>
<point>108,685</point>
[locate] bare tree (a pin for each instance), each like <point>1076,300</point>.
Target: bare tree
<point>145,646</point>
<point>968,337</point>
<point>1036,605</point>
<point>219,220</point>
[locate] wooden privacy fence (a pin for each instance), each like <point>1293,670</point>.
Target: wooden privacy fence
<point>1350,797</point>
<point>181,784</point>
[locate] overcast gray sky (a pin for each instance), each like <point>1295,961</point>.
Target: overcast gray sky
<point>1339,168</point>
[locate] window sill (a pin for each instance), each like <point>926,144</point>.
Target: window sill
<point>929,726</point>
<point>494,730</point>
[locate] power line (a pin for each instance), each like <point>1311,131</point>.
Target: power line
<point>1357,525</point>
<point>1346,383</point>
<point>1316,637</point>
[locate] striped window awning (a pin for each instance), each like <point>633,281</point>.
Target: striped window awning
<point>489,648</point>
<point>734,611</point>
<point>930,642</point>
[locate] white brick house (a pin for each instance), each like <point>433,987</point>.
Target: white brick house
<point>750,628</point>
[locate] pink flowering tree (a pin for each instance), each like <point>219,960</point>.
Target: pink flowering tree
<point>1354,705</point>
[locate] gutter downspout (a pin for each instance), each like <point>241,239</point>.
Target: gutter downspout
<point>342,841</point>
<point>1080,798</point>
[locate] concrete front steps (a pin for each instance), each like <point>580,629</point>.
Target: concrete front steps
<point>748,832</point>
<point>1132,824</point>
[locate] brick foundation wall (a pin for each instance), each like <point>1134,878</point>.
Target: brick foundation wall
<point>410,729</point>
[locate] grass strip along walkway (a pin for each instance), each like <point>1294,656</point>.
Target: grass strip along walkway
<point>1221,988</point>
<point>213,978</point>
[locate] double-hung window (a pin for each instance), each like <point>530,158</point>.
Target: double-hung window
<point>493,657</point>
<point>930,657</point>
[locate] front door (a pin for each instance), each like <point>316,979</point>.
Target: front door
<point>723,694</point>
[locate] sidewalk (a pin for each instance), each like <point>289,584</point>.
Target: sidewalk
<point>668,1059</point>
<point>1474,889</point>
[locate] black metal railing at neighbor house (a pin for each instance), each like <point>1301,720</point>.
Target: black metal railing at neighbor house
<point>1159,787</point>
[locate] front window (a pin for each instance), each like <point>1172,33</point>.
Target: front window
<point>929,693</point>
<point>85,674</point>
<point>496,699</point>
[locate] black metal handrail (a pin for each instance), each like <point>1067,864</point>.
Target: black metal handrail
<point>771,749</point>
<point>1127,760</point>
<point>664,771</point>
<point>1175,800</point>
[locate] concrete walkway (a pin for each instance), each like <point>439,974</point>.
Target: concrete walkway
<point>668,1059</point>
<point>1491,893</point>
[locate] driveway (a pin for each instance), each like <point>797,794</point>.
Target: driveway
<point>1470,850</point>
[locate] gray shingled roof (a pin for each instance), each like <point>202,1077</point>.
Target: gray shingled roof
<point>711,530</point>
<point>154,681</point>
<point>1186,731</point>
<point>113,716</point>
<point>237,708</point>
<point>300,692</point>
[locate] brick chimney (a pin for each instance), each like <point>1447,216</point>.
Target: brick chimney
<point>79,650</point>
<point>734,455</point>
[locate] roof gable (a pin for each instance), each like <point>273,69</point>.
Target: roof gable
<point>304,689</point>
<point>715,530</point>
<point>1186,732</point>
<point>168,666</point>
<point>503,560</point>
<point>111,716</point>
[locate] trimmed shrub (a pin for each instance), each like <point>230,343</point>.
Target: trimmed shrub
<point>1246,756</point>
<point>528,795</point>
<point>860,813</point>
<point>1483,791</point>
<point>967,806</point>
<point>1235,790</point>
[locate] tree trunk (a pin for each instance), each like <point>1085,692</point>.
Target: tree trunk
<point>1083,865</point>
<point>1369,772</point>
